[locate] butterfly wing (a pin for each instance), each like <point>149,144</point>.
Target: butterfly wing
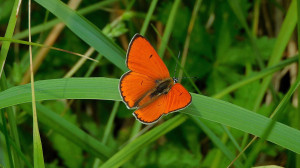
<point>153,111</point>
<point>142,58</point>
<point>177,98</point>
<point>133,86</point>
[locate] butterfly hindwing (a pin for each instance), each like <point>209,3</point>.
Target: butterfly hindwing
<point>142,58</point>
<point>153,111</point>
<point>177,98</point>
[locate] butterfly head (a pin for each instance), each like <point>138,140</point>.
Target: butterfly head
<point>175,80</point>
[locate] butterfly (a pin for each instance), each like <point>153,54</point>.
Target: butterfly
<point>147,86</point>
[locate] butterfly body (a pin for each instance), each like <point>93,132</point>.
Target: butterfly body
<point>162,87</point>
<point>148,86</point>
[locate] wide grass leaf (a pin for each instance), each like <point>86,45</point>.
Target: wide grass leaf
<point>202,106</point>
<point>86,31</point>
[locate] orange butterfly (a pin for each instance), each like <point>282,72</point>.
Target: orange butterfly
<point>148,86</point>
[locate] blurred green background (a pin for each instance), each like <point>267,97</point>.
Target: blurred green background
<point>223,43</point>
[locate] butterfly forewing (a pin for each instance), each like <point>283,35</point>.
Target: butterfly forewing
<point>133,86</point>
<point>142,58</point>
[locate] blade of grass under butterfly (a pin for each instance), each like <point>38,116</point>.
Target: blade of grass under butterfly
<point>66,88</point>
<point>107,89</point>
<point>86,31</point>
<point>270,125</point>
<point>71,132</point>
<point>3,54</point>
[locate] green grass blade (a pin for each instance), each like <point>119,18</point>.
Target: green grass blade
<point>168,29</point>
<point>12,123</point>
<point>242,119</point>
<point>109,124</point>
<point>108,128</point>
<point>188,37</point>
<point>235,5</point>
<point>255,17</point>
<point>216,140</point>
<point>282,40</point>
<point>93,66</point>
<point>17,148</point>
<point>129,150</point>
<point>38,157</point>
<point>8,34</point>
<point>67,88</point>
<point>86,31</point>
<point>5,133</point>
<point>233,140</point>
<point>265,72</point>
<point>148,17</point>
<point>70,131</point>
<point>279,109</point>
<point>3,55</point>
<point>38,150</point>
<point>46,26</point>
<point>297,116</point>
<point>107,89</point>
<point>135,129</point>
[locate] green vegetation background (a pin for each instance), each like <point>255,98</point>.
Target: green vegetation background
<point>233,49</point>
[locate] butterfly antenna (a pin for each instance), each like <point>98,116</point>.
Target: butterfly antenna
<point>196,77</point>
<point>176,65</point>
